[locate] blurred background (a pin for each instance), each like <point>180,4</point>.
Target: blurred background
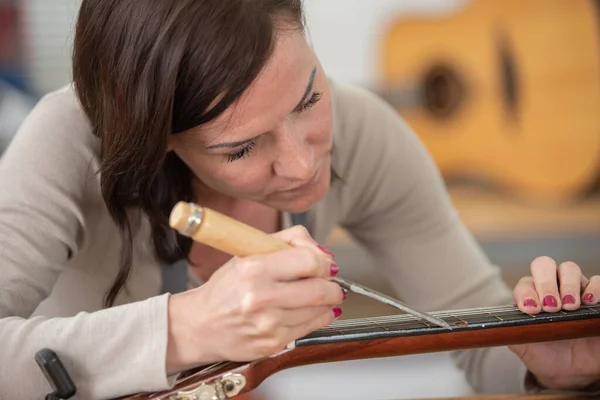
<point>504,93</point>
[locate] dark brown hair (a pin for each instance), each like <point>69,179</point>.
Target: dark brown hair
<point>145,69</point>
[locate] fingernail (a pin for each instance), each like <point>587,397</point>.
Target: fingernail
<point>530,303</point>
<point>568,299</point>
<point>589,297</point>
<point>337,312</point>
<point>345,292</point>
<point>324,250</point>
<point>550,301</point>
<point>334,269</point>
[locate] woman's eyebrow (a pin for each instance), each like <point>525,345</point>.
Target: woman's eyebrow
<point>230,145</point>
<point>309,88</point>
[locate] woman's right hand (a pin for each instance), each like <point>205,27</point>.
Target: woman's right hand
<point>252,307</point>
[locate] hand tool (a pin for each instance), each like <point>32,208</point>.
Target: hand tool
<point>233,237</point>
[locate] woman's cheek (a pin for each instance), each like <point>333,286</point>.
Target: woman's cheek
<point>241,180</point>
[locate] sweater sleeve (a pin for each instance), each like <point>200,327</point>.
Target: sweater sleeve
<point>45,175</point>
<point>399,210</point>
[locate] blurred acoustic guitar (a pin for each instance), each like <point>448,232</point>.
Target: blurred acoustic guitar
<point>507,91</point>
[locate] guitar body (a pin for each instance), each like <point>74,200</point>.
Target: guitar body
<point>508,91</point>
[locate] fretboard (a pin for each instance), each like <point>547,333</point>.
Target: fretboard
<point>459,320</point>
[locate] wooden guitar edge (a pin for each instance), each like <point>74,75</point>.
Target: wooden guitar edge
<point>256,372</point>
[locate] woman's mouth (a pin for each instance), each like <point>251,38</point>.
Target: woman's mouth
<point>306,185</point>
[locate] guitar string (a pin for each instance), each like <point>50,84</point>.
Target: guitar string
<point>505,311</point>
<point>408,317</point>
<point>409,320</point>
<point>378,321</point>
<point>465,315</point>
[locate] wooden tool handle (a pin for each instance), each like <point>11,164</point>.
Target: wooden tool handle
<point>224,233</point>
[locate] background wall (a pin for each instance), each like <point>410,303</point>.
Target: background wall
<point>344,35</point>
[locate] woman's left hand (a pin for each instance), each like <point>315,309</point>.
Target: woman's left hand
<point>568,364</point>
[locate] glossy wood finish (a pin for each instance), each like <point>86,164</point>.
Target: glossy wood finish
<point>517,397</point>
<point>256,372</point>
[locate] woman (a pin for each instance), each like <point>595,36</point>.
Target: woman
<point>224,103</point>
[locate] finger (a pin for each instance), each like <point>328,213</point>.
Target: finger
<point>569,277</point>
<point>526,297</point>
<point>298,236</point>
<point>302,316</point>
<point>584,283</point>
<point>289,264</point>
<point>316,323</point>
<point>312,292</point>
<point>591,293</point>
<point>543,271</point>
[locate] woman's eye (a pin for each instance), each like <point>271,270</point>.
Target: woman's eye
<point>314,99</point>
<point>242,153</point>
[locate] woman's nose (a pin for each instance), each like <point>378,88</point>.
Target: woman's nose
<point>295,159</point>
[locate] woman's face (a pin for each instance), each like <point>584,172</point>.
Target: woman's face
<point>273,145</point>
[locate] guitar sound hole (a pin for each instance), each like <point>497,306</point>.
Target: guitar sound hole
<point>443,91</point>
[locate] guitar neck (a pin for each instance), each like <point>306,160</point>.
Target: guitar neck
<point>477,319</point>
<point>394,336</point>
<point>404,335</point>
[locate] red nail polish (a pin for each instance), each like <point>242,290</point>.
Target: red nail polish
<point>337,312</point>
<point>568,299</point>
<point>334,269</point>
<point>345,292</point>
<point>530,303</point>
<point>550,301</point>
<point>324,250</point>
<point>589,298</point>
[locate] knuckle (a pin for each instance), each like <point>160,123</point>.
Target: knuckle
<point>310,261</point>
<point>525,281</point>
<point>569,267</point>
<point>543,260</point>
<point>254,301</point>
<point>253,268</point>
<point>300,231</point>
<point>595,282</point>
<point>266,325</point>
<point>542,263</point>
<point>325,293</point>
<point>320,297</point>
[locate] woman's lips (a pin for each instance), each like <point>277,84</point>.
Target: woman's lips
<point>306,185</point>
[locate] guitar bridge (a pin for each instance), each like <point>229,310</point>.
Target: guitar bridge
<point>228,386</point>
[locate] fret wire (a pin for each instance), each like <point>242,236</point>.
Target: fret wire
<point>495,316</point>
<point>381,326</point>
